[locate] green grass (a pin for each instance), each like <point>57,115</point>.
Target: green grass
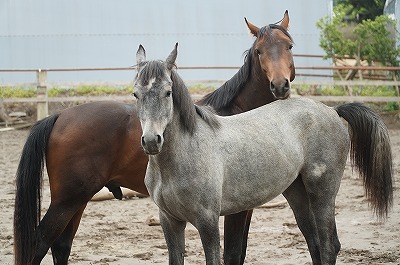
<point>201,89</point>
<point>375,91</point>
<point>19,92</point>
<point>89,91</point>
<point>27,92</point>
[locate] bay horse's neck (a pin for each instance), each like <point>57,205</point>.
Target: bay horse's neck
<point>255,92</point>
<point>246,90</point>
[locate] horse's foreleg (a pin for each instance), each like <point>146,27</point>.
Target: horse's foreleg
<point>61,248</point>
<point>298,200</point>
<point>236,230</point>
<point>174,233</point>
<point>209,234</point>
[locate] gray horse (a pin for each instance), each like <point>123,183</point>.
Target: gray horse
<point>202,166</point>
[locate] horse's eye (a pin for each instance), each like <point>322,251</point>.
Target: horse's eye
<point>290,46</point>
<point>258,52</point>
<point>168,93</point>
<point>135,95</point>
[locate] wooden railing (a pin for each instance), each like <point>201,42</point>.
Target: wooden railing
<point>42,85</point>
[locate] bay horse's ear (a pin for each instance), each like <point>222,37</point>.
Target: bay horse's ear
<point>253,29</point>
<point>285,20</point>
<point>140,54</point>
<point>170,61</point>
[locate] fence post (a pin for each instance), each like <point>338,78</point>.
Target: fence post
<point>42,104</point>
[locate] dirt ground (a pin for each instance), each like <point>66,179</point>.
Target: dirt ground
<point>115,232</point>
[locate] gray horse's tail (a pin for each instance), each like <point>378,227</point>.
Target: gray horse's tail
<point>371,154</point>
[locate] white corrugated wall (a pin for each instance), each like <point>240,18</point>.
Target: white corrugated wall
<point>92,33</point>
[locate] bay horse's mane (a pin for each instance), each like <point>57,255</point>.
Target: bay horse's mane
<point>225,94</point>
<point>183,102</point>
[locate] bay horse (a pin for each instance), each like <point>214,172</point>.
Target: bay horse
<point>93,145</point>
<point>239,162</point>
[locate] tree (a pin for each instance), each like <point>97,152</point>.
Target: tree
<point>360,10</point>
<point>372,39</point>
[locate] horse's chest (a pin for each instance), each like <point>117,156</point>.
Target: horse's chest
<point>174,200</point>
<point>181,195</point>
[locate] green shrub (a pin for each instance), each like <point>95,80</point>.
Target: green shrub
<point>391,106</point>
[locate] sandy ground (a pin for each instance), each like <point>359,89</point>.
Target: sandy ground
<point>115,232</point>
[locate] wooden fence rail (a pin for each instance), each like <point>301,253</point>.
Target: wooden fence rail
<point>42,85</point>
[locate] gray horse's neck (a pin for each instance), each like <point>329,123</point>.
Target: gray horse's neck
<point>175,138</point>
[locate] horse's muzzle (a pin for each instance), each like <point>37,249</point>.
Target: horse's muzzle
<point>281,90</point>
<point>152,144</point>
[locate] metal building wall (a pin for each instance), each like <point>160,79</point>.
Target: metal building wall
<point>94,33</point>
<point>392,9</point>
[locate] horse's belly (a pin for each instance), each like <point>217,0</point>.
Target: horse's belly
<point>234,202</point>
<point>258,181</point>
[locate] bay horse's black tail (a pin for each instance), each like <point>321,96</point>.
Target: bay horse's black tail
<point>28,190</point>
<point>371,154</point>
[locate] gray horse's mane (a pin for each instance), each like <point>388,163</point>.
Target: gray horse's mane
<point>187,110</point>
<point>183,103</point>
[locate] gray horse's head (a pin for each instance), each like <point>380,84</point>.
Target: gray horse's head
<point>153,90</point>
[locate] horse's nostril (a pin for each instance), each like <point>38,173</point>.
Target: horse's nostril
<point>143,142</point>
<point>287,85</point>
<point>158,139</point>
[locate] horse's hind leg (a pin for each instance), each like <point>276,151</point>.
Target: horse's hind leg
<point>298,200</point>
<point>52,226</point>
<point>322,191</point>
<point>324,212</point>
<point>61,248</point>
<point>236,230</point>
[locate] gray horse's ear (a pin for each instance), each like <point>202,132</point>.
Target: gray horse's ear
<point>253,29</point>
<point>170,61</point>
<point>140,54</point>
<point>285,20</point>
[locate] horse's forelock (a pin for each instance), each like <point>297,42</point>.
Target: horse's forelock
<point>267,31</point>
<point>150,70</point>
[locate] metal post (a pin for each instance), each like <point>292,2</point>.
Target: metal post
<point>42,104</point>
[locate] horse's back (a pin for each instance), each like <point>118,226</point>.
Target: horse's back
<point>92,122</point>
<point>312,124</point>
<point>102,114</point>
<point>299,117</point>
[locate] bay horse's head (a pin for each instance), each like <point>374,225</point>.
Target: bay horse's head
<point>273,50</point>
